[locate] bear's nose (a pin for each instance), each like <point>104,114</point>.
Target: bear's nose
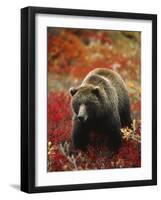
<point>81,118</point>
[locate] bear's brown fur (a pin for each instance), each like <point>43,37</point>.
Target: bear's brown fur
<point>100,104</point>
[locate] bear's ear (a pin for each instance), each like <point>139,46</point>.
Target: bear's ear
<point>96,90</point>
<point>73,90</point>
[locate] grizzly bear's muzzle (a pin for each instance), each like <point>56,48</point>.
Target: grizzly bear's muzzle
<point>82,114</point>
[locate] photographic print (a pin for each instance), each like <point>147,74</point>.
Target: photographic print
<point>94,99</point>
<point>88,99</point>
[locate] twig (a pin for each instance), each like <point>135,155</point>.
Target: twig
<point>130,133</point>
<point>71,159</point>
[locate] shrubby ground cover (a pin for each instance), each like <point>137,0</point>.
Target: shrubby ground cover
<point>72,53</point>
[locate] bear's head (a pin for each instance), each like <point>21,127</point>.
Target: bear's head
<point>86,102</point>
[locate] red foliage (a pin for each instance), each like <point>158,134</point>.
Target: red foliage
<point>136,106</point>
<point>59,117</point>
<point>91,35</point>
<point>68,54</point>
<point>79,72</point>
<point>64,50</point>
<point>57,161</point>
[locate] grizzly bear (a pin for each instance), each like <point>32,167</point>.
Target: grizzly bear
<point>100,104</point>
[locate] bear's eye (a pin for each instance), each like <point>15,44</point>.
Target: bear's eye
<point>88,104</point>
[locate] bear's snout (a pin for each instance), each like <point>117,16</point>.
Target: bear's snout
<point>81,118</point>
<point>82,114</point>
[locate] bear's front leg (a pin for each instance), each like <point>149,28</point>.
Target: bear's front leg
<point>112,129</point>
<point>80,135</point>
<point>114,139</point>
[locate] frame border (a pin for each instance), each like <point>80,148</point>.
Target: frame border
<point>28,98</point>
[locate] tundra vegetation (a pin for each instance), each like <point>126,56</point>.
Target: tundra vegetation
<point>72,53</point>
